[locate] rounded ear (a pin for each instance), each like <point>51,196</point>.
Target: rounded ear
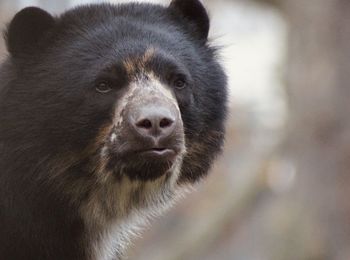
<point>194,11</point>
<point>27,30</point>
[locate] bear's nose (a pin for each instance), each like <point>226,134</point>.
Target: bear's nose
<point>156,122</point>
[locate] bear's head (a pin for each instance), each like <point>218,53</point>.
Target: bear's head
<point>115,107</point>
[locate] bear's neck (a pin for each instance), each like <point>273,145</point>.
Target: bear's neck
<point>109,242</point>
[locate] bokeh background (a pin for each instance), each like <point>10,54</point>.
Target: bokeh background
<point>281,189</point>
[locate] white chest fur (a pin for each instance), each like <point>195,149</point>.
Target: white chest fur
<point>115,213</point>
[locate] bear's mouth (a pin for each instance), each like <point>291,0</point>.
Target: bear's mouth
<point>144,162</point>
<point>150,164</point>
<point>161,153</point>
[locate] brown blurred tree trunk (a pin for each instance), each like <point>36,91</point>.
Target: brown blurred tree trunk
<point>318,78</point>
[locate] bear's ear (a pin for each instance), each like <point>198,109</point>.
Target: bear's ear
<point>27,30</point>
<point>194,11</point>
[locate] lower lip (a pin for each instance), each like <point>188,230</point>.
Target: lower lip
<point>164,153</point>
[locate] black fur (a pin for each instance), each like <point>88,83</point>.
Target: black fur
<point>27,30</point>
<point>195,13</point>
<point>51,115</point>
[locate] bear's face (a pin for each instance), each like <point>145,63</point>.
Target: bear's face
<point>125,103</point>
<point>145,138</point>
<point>131,92</point>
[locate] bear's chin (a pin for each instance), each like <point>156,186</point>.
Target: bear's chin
<point>146,165</point>
<point>150,171</point>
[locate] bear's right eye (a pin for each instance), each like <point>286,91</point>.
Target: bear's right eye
<point>103,87</point>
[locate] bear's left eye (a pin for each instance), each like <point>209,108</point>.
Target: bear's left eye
<point>180,83</point>
<point>103,87</point>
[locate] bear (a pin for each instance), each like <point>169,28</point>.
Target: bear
<point>109,113</point>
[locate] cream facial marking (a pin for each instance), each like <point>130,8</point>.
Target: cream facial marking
<point>113,137</point>
<point>142,89</point>
<point>139,63</point>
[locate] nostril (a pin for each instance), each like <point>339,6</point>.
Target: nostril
<point>144,123</point>
<point>165,122</point>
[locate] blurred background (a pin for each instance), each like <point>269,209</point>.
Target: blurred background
<point>281,189</point>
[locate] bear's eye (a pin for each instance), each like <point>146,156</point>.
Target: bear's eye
<point>103,87</point>
<point>180,83</point>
